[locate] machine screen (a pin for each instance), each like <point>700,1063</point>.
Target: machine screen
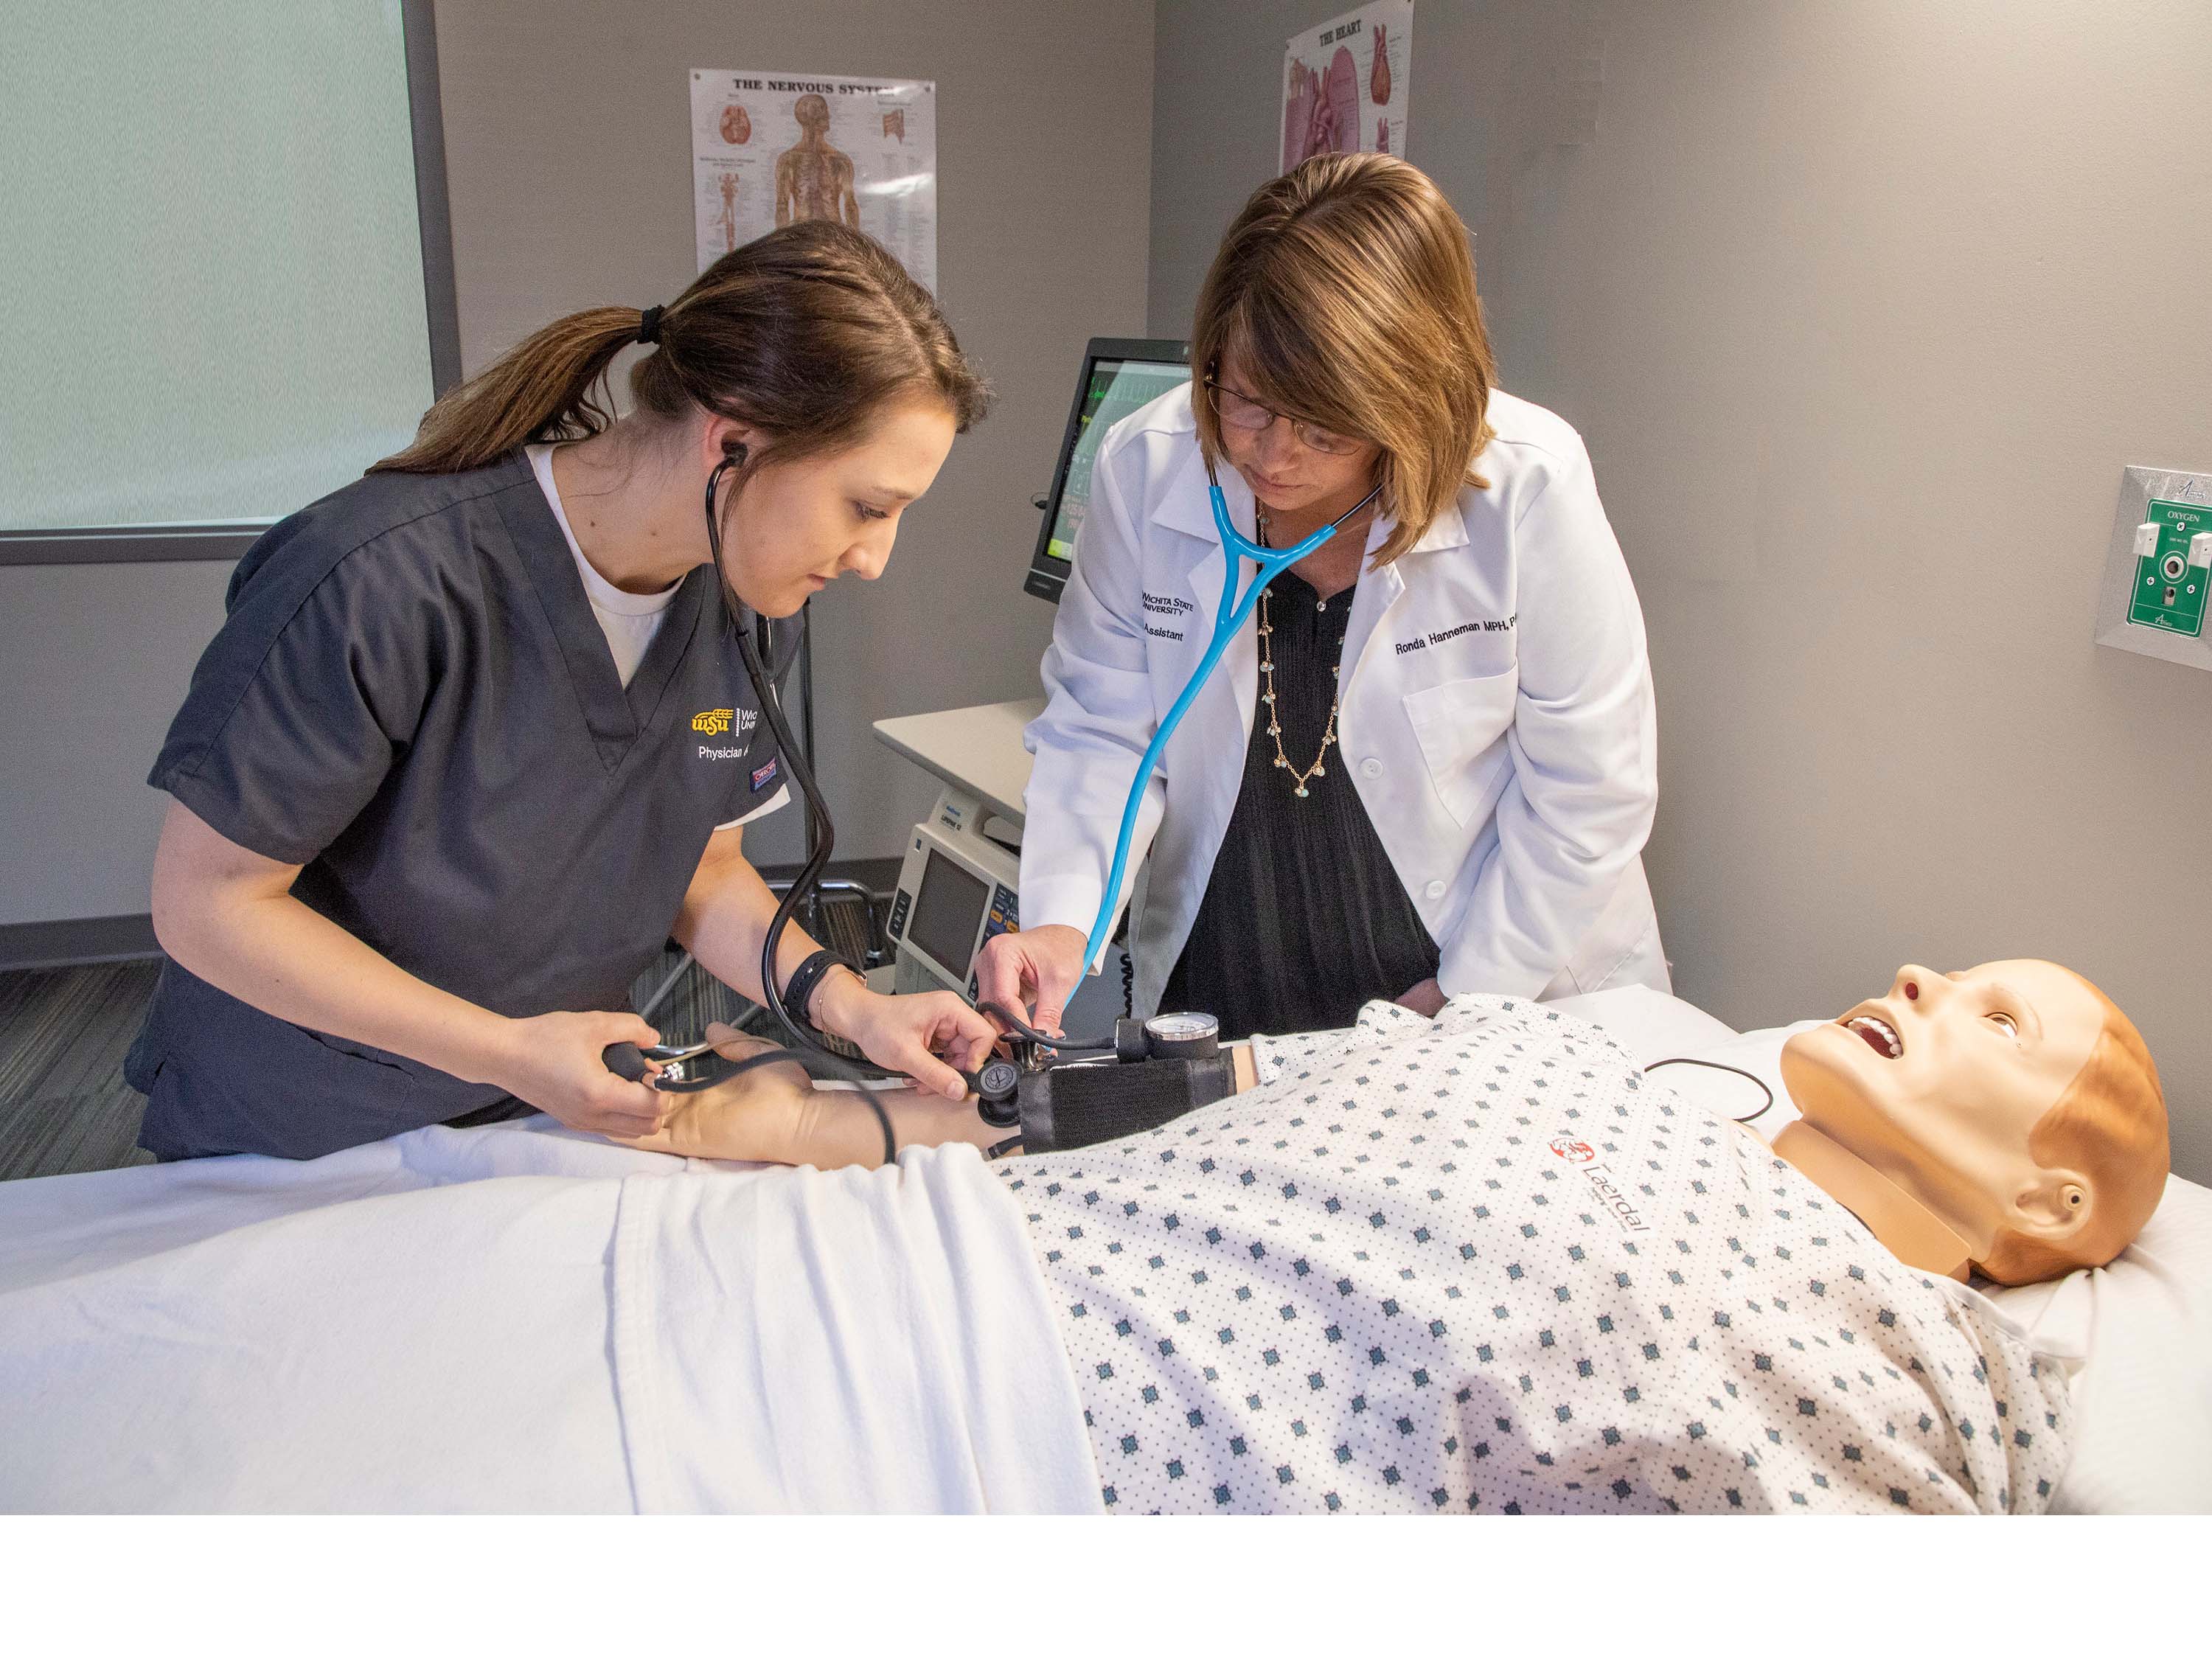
<point>1119,378</point>
<point>1115,389</point>
<point>947,912</point>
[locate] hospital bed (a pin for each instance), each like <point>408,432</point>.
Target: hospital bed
<point>711,1337</point>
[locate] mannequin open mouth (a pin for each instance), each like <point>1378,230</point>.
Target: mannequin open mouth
<point>1878,1034</point>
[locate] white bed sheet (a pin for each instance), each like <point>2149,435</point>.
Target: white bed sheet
<point>2143,1393</point>
<point>517,1318</point>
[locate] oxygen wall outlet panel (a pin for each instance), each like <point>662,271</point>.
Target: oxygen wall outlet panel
<point>2157,595</point>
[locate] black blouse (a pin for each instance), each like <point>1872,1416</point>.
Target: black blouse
<point>1304,918</point>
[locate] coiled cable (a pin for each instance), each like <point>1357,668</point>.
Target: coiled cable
<point>806,1045</point>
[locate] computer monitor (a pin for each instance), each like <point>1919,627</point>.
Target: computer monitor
<point>1119,377</point>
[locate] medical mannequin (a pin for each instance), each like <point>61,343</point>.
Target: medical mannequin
<point>1486,1261</point>
<point>2006,1118</point>
<point>1479,1263</point>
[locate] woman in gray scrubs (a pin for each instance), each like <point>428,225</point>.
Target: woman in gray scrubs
<point>477,736</point>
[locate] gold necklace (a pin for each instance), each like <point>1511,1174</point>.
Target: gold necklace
<point>1299,778</point>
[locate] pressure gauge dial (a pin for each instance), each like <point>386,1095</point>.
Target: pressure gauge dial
<point>1182,1036</point>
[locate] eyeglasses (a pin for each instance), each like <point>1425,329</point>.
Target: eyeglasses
<point>1234,409</point>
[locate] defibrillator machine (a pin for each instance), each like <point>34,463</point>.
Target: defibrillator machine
<point>962,864</point>
<point>962,870</point>
<point>956,905</point>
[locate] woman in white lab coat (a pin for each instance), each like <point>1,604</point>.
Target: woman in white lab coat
<point>1427,765</point>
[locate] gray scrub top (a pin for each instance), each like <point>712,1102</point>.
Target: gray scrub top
<point>412,701</point>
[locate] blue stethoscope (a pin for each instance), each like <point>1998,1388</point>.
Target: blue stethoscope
<point>1228,617</point>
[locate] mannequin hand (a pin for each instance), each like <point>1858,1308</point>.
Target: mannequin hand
<point>765,1116</point>
<point>553,1062</point>
<point>775,1115</point>
<point>907,1033</point>
<point>1426,999</point>
<point>1032,973</point>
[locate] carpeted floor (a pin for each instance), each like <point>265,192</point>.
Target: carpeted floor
<point>65,1106</point>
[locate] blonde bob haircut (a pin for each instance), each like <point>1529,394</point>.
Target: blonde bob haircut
<point>1346,292</point>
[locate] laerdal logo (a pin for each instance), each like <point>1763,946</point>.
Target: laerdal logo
<point>712,722</point>
<point>1583,1157</point>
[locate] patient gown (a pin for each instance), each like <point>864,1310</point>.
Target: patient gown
<point>1486,1265</point>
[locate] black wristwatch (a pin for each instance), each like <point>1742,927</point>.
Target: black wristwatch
<point>799,990</point>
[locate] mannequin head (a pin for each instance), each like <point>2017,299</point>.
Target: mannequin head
<point>2005,1117</point>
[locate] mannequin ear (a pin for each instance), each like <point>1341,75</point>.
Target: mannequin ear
<point>2056,1206</point>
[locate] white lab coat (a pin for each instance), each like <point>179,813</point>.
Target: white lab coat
<point>1496,714</point>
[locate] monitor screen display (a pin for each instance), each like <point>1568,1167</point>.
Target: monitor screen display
<point>1113,387</point>
<point>947,911</point>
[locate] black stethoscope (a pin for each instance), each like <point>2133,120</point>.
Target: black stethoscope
<point>688,1068</point>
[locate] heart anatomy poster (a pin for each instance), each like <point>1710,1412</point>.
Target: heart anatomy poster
<point>769,148</point>
<point>1346,84</point>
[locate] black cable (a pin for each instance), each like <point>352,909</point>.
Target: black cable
<point>1128,984</point>
<point>1714,1065</point>
<point>1020,1028</point>
<point>803,1036</point>
<point>806,725</point>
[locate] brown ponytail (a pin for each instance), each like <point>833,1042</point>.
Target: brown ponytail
<point>804,333</point>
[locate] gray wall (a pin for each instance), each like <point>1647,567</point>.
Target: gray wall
<point>570,175</point>
<point>1862,307</point>
<point>566,126</point>
<point>93,660</point>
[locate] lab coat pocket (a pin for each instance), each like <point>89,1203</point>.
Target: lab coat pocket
<point>1460,727</point>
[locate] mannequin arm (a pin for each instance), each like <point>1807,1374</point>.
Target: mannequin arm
<point>777,1116</point>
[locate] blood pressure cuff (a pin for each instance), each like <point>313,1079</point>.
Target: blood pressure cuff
<point>1065,1107</point>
